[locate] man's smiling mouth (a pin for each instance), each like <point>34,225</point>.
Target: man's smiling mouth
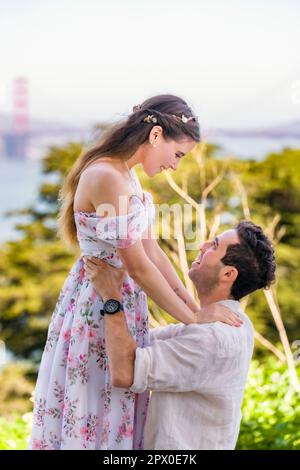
<point>199,259</point>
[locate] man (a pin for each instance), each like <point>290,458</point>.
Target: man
<point>197,373</point>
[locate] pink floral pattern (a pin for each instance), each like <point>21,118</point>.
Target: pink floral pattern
<point>75,405</point>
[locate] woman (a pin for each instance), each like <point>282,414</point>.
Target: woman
<point>75,405</point>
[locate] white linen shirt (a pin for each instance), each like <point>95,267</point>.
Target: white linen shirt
<point>197,374</point>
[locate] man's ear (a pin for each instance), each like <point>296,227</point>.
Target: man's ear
<point>229,274</point>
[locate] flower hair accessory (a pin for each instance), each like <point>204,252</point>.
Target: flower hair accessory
<point>150,118</point>
<point>184,119</point>
<point>137,107</point>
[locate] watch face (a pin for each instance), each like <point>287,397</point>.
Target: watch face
<point>112,306</point>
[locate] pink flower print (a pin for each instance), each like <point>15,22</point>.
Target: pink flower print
<point>101,354</point>
<point>89,430</point>
<point>83,222</point>
<point>64,407</point>
<point>37,444</point>
<point>67,335</point>
<point>108,257</point>
<point>105,432</point>
<point>94,295</point>
<point>84,431</point>
<point>71,359</point>
<point>66,353</point>
<point>125,430</point>
<point>79,331</point>
<point>92,333</point>
<point>39,411</point>
<point>129,431</point>
<point>81,370</point>
<point>71,305</point>
<point>138,315</point>
<point>126,427</point>
<point>81,275</point>
<point>59,392</point>
<point>127,288</point>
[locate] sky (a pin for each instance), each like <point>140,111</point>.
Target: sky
<point>237,63</point>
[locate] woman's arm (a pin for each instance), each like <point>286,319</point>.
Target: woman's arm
<point>162,262</point>
<point>151,280</point>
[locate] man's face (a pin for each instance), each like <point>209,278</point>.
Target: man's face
<point>206,270</point>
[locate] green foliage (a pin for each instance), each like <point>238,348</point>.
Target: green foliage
<point>273,189</point>
<point>271,410</point>
<point>33,269</point>
<point>17,381</point>
<point>273,184</point>
<point>14,432</point>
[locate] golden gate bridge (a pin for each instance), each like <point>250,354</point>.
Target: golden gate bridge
<point>18,131</point>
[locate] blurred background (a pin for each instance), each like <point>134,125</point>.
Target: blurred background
<point>69,69</point>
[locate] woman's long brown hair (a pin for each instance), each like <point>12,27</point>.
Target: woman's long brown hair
<point>121,141</point>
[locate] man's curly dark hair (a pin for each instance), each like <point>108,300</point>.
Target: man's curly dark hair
<point>254,259</point>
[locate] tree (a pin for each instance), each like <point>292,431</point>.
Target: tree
<point>33,269</point>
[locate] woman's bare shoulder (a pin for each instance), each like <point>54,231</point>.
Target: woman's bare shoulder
<point>104,172</point>
<point>103,183</point>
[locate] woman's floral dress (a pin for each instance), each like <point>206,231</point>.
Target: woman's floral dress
<point>75,405</point>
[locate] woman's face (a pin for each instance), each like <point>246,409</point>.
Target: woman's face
<point>166,154</point>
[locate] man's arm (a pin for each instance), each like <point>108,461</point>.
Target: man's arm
<point>183,363</point>
<point>165,332</point>
<point>120,347</point>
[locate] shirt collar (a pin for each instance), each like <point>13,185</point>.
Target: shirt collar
<point>230,303</point>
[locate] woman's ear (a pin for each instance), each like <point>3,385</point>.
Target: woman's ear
<point>155,132</point>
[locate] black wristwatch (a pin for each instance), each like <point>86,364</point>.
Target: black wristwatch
<point>111,306</point>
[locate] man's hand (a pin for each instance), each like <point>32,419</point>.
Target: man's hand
<point>106,279</point>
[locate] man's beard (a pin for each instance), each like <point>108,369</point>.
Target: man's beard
<point>206,281</point>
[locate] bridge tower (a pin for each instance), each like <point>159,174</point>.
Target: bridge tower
<point>17,147</point>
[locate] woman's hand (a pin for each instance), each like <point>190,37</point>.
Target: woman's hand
<point>218,312</point>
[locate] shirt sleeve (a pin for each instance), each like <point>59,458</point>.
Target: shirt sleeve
<point>165,332</point>
<point>179,364</point>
